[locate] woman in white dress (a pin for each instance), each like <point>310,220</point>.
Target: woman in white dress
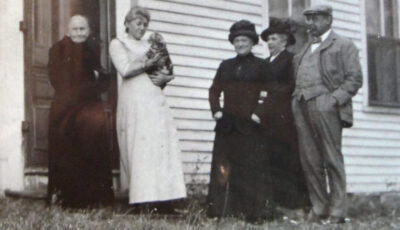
<point>151,167</point>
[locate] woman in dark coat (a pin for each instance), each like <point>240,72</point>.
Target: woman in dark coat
<point>79,162</point>
<point>239,185</point>
<point>289,187</point>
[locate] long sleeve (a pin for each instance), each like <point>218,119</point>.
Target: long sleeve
<point>55,68</point>
<point>104,80</point>
<point>124,65</point>
<point>92,64</point>
<point>264,104</point>
<point>352,74</point>
<point>215,91</point>
<point>284,78</point>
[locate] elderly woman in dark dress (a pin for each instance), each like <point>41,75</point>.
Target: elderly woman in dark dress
<point>239,185</point>
<point>79,162</point>
<point>289,187</point>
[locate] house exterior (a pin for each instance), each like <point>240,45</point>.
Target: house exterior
<point>196,33</point>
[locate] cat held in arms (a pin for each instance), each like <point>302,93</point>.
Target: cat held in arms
<point>159,47</point>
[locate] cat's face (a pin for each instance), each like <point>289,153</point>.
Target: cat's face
<point>156,41</point>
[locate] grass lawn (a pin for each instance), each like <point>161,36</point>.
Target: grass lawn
<point>365,212</point>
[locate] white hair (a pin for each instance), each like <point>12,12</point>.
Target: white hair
<point>78,17</point>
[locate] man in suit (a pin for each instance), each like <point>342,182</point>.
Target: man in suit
<point>328,75</point>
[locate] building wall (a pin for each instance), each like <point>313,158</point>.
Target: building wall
<point>197,37</point>
<point>372,147</point>
<point>11,95</point>
<point>196,32</point>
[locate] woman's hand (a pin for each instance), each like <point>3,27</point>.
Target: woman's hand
<point>158,78</point>
<point>218,115</point>
<point>334,101</point>
<point>149,62</point>
<point>255,118</point>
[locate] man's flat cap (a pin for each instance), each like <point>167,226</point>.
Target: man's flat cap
<point>318,9</point>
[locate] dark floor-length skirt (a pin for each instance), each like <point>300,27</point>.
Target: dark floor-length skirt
<point>239,184</point>
<point>79,157</point>
<point>289,186</point>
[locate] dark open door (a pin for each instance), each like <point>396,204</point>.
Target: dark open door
<point>45,23</point>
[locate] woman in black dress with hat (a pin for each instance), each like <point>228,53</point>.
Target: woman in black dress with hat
<point>289,187</point>
<point>239,185</point>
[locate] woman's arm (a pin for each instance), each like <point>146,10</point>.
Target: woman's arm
<point>263,109</point>
<point>121,61</point>
<point>59,74</point>
<point>161,79</point>
<point>215,93</point>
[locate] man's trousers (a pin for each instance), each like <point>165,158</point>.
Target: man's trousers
<point>319,132</point>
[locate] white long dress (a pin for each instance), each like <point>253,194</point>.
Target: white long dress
<point>151,167</point>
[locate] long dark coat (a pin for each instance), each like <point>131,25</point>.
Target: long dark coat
<point>289,186</point>
<point>239,185</point>
<point>79,161</point>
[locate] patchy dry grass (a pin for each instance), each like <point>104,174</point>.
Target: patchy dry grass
<point>365,212</point>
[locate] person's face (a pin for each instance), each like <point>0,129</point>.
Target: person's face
<point>137,27</point>
<point>276,43</point>
<point>318,24</point>
<point>243,45</point>
<point>78,29</point>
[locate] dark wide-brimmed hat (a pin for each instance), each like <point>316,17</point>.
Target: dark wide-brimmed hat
<point>279,26</point>
<point>243,27</point>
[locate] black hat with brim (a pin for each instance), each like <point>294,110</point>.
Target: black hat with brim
<point>244,28</point>
<point>278,26</point>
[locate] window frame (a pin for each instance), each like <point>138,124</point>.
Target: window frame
<point>367,105</point>
<point>290,6</point>
<point>296,19</point>
<point>382,21</point>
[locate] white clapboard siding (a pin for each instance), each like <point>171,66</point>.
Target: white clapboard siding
<point>380,161</point>
<point>199,167</point>
<point>196,33</point>
<point>189,70</point>
<point>196,82</point>
<point>372,147</point>
<point>377,134</point>
<point>207,9</point>
<point>191,114</point>
<point>193,157</point>
<point>368,151</point>
<point>192,92</point>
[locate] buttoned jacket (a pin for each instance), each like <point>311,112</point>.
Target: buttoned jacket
<point>340,69</point>
<point>240,80</point>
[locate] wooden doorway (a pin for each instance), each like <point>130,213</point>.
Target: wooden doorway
<point>44,24</point>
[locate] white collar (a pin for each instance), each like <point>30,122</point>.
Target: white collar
<point>126,38</point>
<point>272,58</point>
<point>325,35</point>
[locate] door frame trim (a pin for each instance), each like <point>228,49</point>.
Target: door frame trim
<point>28,18</point>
